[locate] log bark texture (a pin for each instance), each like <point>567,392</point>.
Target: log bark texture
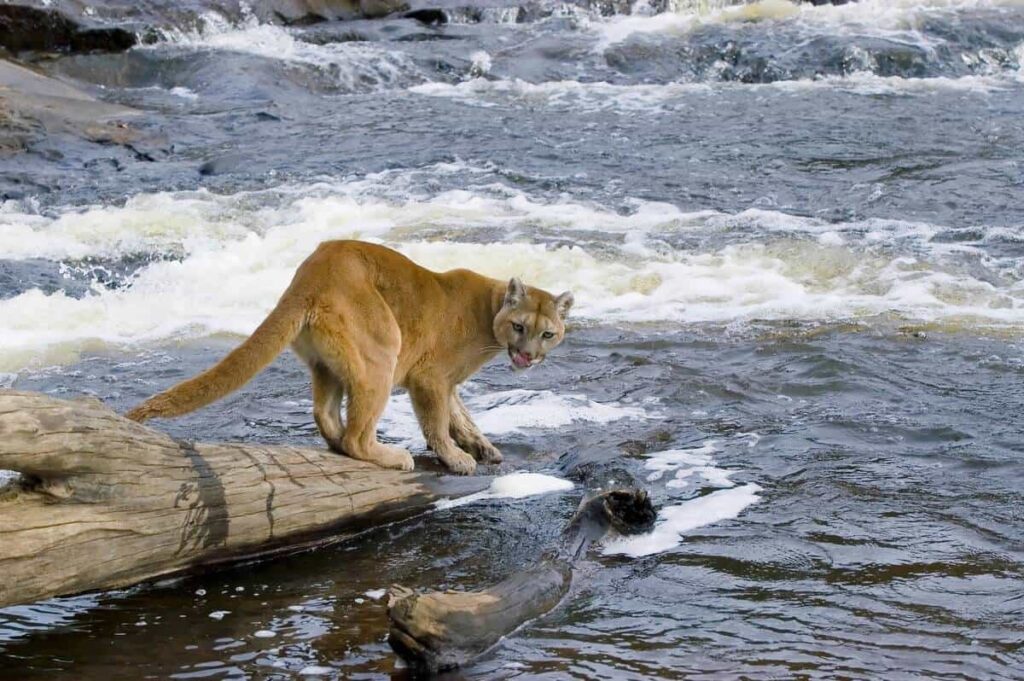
<point>104,502</point>
<point>436,631</point>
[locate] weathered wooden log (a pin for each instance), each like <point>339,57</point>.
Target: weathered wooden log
<point>105,502</point>
<point>442,630</point>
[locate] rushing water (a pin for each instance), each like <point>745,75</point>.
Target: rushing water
<point>796,239</point>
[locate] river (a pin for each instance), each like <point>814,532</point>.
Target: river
<point>795,235</point>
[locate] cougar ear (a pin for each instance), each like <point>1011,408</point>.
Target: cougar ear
<point>515,293</point>
<point>563,303</point>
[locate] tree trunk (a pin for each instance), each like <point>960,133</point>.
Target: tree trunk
<point>437,631</point>
<point>104,502</point>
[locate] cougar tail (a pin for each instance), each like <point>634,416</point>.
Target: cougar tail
<point>231,373</point>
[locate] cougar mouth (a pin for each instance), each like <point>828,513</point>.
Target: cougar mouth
<point>520,360</point>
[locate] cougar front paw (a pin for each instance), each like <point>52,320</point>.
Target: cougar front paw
<point>458,462</point>
<point>488,453</point>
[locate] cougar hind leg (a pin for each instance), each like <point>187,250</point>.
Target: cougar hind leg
<point>365,405</point>
<point>364,359</point>
<point>328,392</point>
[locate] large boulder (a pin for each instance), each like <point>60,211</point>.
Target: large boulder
<point>32,104</point>
<point>295,12</point>
<point>72,25</point>
<point>24,28</point>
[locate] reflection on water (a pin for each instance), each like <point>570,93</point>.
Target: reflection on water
<point>794,235</point>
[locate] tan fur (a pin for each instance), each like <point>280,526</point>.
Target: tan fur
<point>365,318</point>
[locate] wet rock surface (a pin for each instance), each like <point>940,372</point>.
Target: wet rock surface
<point>48,30</point>
<point>33,102</point>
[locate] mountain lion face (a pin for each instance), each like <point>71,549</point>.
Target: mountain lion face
<point>530,323</point>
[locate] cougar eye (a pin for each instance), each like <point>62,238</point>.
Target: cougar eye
<point>547,335</point>
<point>518,328</point>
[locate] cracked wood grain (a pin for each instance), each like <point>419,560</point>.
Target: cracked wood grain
<point>105,502</point>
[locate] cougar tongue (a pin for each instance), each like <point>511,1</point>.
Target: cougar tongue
<point>520,360</point>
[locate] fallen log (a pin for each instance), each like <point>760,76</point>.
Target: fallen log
<point>442,630</point>
<point>103,502</point>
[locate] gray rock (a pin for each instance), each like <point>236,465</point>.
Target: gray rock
<point>374,9</point>
<point>32,105</point>
<point>24,28</point>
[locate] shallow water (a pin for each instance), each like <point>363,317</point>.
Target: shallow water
<point>794,235</point>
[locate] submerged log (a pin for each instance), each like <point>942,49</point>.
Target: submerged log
<point>104,502</point>
<point>443,630</point>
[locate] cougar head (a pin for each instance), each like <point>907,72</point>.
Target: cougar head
<point>530,323</point>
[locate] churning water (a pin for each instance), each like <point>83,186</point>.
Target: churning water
<point>796,238</point>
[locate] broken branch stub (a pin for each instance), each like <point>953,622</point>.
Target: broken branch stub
<point>441,630</point>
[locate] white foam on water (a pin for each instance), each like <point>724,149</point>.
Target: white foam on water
<point>184,92</point>
<point>265,633</point>
<point>480,63</point>
<point>374,206</point>
<point>163,222</point>
<point>233,255</point>
<point>687,464</point>
<point>657,99</point>
<point>511,411</point>
<point>512,486</point>
<point>687,467</point>
<point>571,94</point>
<point>674,521</point>
<point>878,17</point>
<point>376,594</point>
<point>519,485</point>
<point>867,83</point>
<point>672,460</point>
<point>620,27</point>
<point>219,614</point>
<point>357,65</point>
<point>316,670</point>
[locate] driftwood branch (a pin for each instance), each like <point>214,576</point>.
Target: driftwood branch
<point>104,502</point>
<point>438,631</point>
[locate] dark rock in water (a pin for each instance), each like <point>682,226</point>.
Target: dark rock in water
<point>304,20</point>
<point>32,29</point>
<point>331,35</point>
<point>228,163</point>
<point>76,26</point>
<point>374,9</point>
<point>308,12</point>
<point>426,37</point>
<point>428,16</point>
<point>609,8</point>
